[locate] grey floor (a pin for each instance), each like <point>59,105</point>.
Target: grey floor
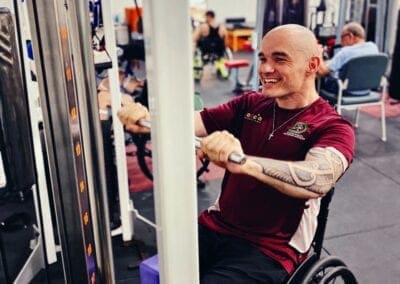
<point>364,223</point>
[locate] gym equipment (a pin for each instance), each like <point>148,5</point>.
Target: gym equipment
<point>234,65</point>
<point>15,135</point>
<point>233,157</point>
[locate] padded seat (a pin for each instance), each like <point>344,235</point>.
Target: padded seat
<point>235,65</point>
<point>351,99</point>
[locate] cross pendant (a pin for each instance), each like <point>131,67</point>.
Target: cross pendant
<point>270,135</point>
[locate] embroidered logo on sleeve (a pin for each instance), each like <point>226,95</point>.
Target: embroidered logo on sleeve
<point>297,130</point>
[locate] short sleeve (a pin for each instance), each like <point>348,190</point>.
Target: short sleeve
<point>337,133</point>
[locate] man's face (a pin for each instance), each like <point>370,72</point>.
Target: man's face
<point>282,65</point>
<point>346,38</point>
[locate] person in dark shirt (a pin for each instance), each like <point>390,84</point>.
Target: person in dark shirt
<point>210,38</point>
<point>261,226</point>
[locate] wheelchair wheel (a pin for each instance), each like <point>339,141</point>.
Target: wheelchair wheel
<point>203,168</point>
<point>144,158</point>
<point>329,270</point>
<point>144,155</point>
<point>340,272</point>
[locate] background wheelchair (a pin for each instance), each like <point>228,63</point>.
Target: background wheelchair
<point>317,269</point>
<point>144,154</point>
<point>204,56</point>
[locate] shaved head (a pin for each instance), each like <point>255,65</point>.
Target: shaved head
<point>299,37</point>
<point>289,61</point>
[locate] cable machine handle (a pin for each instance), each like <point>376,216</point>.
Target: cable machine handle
<point>233,157</point>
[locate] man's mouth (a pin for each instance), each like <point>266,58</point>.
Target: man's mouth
<point>269,81</point>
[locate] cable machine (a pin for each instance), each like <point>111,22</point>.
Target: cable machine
<point>61,41</point>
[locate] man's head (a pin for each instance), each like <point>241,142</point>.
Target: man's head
<point>289,60</point>
<point>210,16</point>
<point>352,33</point>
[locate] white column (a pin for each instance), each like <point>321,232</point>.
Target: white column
<point>119,138</point>
<point>256,39</point>
<point>169,67</point>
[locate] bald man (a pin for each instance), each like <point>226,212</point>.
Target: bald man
<point>354,44</point>
<point>261,226</point>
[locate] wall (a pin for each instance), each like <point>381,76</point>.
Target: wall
<point>118,7</point>
<point>233,8</point>
<point>7,3</point>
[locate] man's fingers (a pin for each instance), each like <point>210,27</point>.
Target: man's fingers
<point>219,145</point>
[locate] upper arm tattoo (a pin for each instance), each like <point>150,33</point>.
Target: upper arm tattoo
<point>318,173</point>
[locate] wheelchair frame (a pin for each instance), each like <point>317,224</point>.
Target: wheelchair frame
<point>321,270</point>
<point>143,153</point>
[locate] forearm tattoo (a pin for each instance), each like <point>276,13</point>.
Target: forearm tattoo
<point>318,173</point>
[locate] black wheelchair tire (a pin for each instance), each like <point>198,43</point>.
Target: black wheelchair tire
<point>143,154</point>
<point>321,266</point>
<point>341,272</point>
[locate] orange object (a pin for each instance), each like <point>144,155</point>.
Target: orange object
<point>132,17</point>
<point>237,38</point>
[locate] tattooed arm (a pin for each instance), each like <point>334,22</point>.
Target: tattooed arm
<point>310,178</point>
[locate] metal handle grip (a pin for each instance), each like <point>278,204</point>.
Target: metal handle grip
<point>233,157</point>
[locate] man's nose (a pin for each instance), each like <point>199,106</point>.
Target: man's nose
<point>266,68</point>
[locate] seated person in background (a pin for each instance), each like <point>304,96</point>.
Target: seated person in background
<point>354,44</point>
<point>210,38</point>
<point>262,225</point>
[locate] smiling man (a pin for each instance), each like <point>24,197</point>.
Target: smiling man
<point>262,225</point>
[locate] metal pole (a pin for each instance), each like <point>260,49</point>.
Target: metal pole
<point>343,8</point>
<point>91,131</point>
<point>46,229</point>
<point>391,22</point>
<point>256,40</point>
<point>380,24</point>
<point>170,76</point>
<point>119,138</point>
<point>56,54</point>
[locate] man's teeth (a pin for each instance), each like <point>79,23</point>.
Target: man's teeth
<point>270,80</point>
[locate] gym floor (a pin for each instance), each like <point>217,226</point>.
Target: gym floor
<point>364,221</point>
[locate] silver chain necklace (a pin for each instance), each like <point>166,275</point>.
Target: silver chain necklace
<point>284,123</point>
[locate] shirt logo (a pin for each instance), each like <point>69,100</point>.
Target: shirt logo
<point>297,130</point>
<point>253,117</point>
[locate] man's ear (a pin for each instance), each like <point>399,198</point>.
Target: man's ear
<point>313,64</point>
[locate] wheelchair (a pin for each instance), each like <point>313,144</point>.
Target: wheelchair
<point>317,269</point>
<point>204,56</point>
<point>144,154</point>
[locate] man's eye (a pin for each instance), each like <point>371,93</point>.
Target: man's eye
<point>280,59</point>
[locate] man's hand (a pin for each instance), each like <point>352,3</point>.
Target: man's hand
<point>130,114</point>
<point>218,146</point>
